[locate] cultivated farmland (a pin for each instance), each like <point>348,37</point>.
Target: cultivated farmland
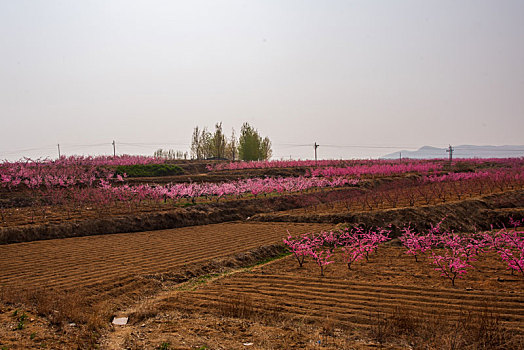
<point>208,255</point>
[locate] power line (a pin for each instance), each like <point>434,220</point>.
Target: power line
<point>369,147</point>
<point>153,144</point>
<point>30,149</point>
<point>345,146</point>
<point>86,145</point>
<point>293,145</point>
<point>458,151</point>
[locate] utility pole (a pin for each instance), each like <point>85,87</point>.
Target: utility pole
<point>58,145</point>
<point>114,148</point>
<point>450,151</point>
<point>316,146</point>
<point>400,156</point>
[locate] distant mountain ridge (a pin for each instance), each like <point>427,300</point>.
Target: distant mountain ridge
<point>462,151</point>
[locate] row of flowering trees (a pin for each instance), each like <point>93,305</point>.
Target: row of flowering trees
<point>334,167</point>
<point>428,190</point>
<point>450,253</point>
<point>107,192</point>
<point>435,164</point>
<point>355,244</point>
<point>453,253</point>
<point>269,164</point>
<point>66,171</point>
<point>252,186</point>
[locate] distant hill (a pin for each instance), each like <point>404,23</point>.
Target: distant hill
<point>463,151</point>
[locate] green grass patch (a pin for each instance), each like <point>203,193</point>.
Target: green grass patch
<point>267,260</point>
<point>197,281</point>
<point>149,170</point>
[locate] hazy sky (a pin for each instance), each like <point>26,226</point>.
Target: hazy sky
<point>341,73</point>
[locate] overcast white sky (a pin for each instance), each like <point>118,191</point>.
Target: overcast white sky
<point>341,73</point>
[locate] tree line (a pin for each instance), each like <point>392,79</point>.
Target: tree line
<point>216,145</point>
<point>250,145</point>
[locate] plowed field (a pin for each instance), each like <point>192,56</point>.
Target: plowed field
<point>389,289</point>
<point>115,260</point>
<point>350,304</point>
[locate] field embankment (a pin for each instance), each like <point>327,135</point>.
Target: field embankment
<point>467,215</point>
<point>167,218</point>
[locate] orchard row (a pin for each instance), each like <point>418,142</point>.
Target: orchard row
<point>451,254</point>
<point>343,165</point>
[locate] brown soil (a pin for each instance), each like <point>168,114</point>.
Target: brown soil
<point>279,305</point>
<point>116,260</point>
<point>383,302</point>
<point>33,333</point>
<point>84,280</point>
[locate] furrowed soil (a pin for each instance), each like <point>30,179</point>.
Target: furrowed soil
<point>390,302</point>
<point>89,261</point>
<point>83,280</point>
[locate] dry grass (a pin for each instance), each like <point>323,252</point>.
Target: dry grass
<point>244,307</point>
<point>144,312</point>
<point>482,330</point>
<point>433,330</point>
<point>62,308</point>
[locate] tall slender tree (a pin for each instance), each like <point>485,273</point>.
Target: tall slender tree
<point>218,142</point>
<point>251,146</point>
<point>232,146</point>
<point>195,144</point>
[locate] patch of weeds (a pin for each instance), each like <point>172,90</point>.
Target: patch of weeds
<point>164,346</point>
<point>15,313</point>
<point>267,260</point>
<point>32,336</point>
<point>203,347</point>
<point>21,321</point>
<point>205,278</point>
<point>197,281</point>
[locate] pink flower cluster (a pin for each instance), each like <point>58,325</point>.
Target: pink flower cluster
<point>254,186</point>
<point>35,174</point>
<point>509,244</point>
<point>416,244</point>
<point>266,164</point>
<point>453,254</point>
<point>355,244</point>
<point>499,175</point>
<point>65,171</point>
